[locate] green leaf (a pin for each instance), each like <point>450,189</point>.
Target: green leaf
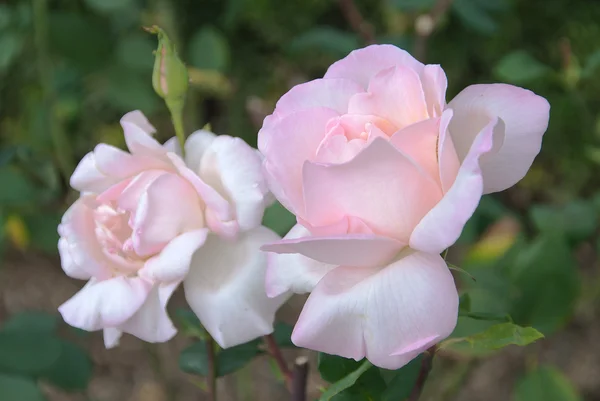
<point>464,303</point>
<point>279,219</point>
<point>109,6</point>
<point>345,382</point>
<point>42,229</point>
<point>72,370</point>
<point>591,65</point>
<point>208,50</point>
<point>474,15</point>
<point>232,359</point>
<point>135,52</point>
<point>27,353</point>
<point>15,388</point>
<point>577,219</point>
<point>11,44</point>
<point>400,387</point>
<point>92,47</point>
<point>546,260</point>
<point>31,321</point>
<point>486,316</point>
<point>283,334</point>
<point>189,323</point>
<point>22,190</point>
<point>193,359</point>
<point>328,40</point>
<point>334,368</point>
<point>519,67</point>
<point>413,5</point>
<point>545,383</point>
<point>129,90</point>
<point>502,335</point>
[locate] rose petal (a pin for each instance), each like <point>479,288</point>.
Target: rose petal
<point>88,178</point>
<point>294,272</point>
<point>195,146</point>
<point>348,249</point>
<point>525,116</point>
<point>151,322</point>
<point>168,208</point>
<point>107,303</point>
<point>293,140</point>
<point>434,83</point>
<point>362,64</point>
<point>68,264</point>
<point>138,135</point>
<point>442,226</point>
<point>388,315</point>
<point>173,263</point>
<point>395,94</point>
<point>233,168</point>
<point>225,288</point>
<point>381,186</point>
<point>112,337</point>
<point>447,157</point>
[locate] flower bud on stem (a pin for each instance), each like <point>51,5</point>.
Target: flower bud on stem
<point>170,80</point>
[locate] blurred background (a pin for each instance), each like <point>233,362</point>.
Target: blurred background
<point>69,69</point>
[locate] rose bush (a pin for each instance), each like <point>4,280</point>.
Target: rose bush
<point>382,174</point>
<point>148,220</point>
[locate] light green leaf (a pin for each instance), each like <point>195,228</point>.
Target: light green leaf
<point>279,219</point>
<point>500,336</point>
<point>15,388</point>
<point>577,219</point>
<point>208,50</point>
<point>545,383</point>
<point>519,67</point>
<point>346,382</point>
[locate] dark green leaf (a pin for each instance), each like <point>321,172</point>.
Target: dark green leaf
<point>109,6</point>
<point>194,359</point>
<point>209,50</point>
<point>31,321</point>
<point>279,219</point>
<point>486,316</point>
<point>283,334</point>
<point>135,52</point>
<point>22,190</point>
<point>413,5</point>
<point>545,383</point>
<point>519,67</point>
<point>464,303</point>
<point>15,388</point>
<point>400,387</point>
<point>591,65</point>
<point>42,229</point>
<point>328,40</point>
<point>474,16</point>
<point>27,353</point>
<point>72,371</point>
<point>334,368</point>
<point>577,219</point>
<point>547,260</point>
<point>346,382</point>
<point>189,323</point>
<point>11,44</point>
<point>232,359</point>
<point>92,47</point>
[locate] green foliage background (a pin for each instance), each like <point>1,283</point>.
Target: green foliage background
<point>69,69</point>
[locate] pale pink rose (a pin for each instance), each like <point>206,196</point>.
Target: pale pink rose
<point>382,175</point>
<point>147,220</point>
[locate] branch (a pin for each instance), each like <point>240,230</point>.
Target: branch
<point>277,356</point>
<point>300,379</point>
<point>211,379</point>
<point>426,24</point>
<point>362,27</point>
<point>426,366</point>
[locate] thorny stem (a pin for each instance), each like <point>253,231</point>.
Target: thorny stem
<point>357,22</point>
<point>59,140</point>
<point>300,379</point>
<point>277,356</point>
<point>437,12</point>
<point>426,365</point>
<point>211,379</point>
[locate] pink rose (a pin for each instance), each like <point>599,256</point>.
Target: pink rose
<point>382,175</point>
<point>147,220</point>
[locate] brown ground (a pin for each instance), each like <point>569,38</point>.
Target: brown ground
<point>129,372</point>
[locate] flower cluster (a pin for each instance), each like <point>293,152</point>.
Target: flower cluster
<point>381,173</point>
